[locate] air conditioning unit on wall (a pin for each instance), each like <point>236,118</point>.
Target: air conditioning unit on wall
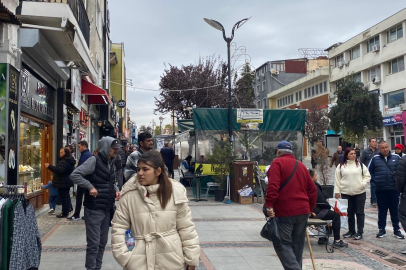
<point>347,63</point>
<point>376,80</point>
<point>375,48</point>
<point>402,107</point>
<point>340,65</point>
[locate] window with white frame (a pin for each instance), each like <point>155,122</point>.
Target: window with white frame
<point>339,59</point>
<point>321,88</point>
<point>372,42</point>
<point>278,66</point>
<point>305,93</point>
<point>394,99</point>
<point>312,91</point>
<point>373,72</point>
<point>395,33</point>
<point>355,52</point>
<point>264,103</point>
<point>263,86</point>
<point>264,70</point>
<point>258,89</point>
<point>397,65</point>
<point>317,89</point>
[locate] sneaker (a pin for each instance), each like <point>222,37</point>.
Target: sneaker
<point>403,251</point>
<point>358,236</point>
<point>348,234</point>
<point>61,216</point>
<point>51,211</point>
<point>322,241</point>
<point>381,233</point>
<point>339,244</point>
<point>399,235</point>
<point>83,218</point>
<point>73,218</point>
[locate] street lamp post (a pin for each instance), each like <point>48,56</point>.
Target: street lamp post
<point>161,119</point>
<point>218,26</point>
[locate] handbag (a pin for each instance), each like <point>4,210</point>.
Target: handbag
<point>270,230</point>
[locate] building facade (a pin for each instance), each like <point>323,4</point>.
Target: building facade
<point>376,57</point>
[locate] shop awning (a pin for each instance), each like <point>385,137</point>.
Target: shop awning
<point>96,94</point>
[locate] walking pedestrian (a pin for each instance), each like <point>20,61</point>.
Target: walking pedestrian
<point>351,181</point>
<point>146,144</point>
<point>338,157</point>
<point>401,187</point>
<point>366,157</point>
<point>323,211</point>
<point>155,209</point>
<point>84,155</point>
<point>168,156</point>
<point>382,169</point>
<point>53,197</point>
<point>97,176</point>
<point>61,179</point>
<point>313,158</point>
<point>290,205</point>
<point>399,150</point>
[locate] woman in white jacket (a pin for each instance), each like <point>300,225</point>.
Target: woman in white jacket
<point>352,178</point>
<point>156,211</point>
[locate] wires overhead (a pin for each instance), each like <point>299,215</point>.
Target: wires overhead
<point>167,90</point>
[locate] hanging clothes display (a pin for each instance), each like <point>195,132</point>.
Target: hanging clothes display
<point>20,241</point>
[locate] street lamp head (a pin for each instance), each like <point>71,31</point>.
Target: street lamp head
<point>214,24</point>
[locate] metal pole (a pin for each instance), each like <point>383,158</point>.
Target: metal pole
<point>230,102</point>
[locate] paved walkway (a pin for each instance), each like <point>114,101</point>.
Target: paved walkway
<point>229,237</point>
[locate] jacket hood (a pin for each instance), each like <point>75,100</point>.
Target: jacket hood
<point>104,146</point>
<point>178,190</point>
<point>70,160</point>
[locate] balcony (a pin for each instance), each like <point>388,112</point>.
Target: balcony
<point>65,25</point>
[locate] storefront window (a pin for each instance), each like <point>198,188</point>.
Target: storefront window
<point>30,156</point>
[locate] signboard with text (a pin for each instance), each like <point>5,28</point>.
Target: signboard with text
<point>392,120</point>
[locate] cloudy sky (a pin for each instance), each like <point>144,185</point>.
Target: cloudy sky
<point>173,31</point>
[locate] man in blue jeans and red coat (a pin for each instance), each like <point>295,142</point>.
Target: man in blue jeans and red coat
<point>291,205</point>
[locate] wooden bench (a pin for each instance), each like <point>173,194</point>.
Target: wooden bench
<point>316,224</point>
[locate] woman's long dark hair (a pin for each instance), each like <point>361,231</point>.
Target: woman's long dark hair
<point>346,152</point>
<point>68,153</point>
<point>154,159</point>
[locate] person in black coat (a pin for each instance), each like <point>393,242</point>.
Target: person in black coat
<point>61,179</point>
<point>323,211</point>
<point>401,187</point>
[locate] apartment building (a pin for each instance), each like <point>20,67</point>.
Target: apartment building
<point>376,57</point>
<point>273,75</point>
<point>301,93</point>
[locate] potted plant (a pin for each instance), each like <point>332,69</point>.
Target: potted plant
<point>222,159</point>
<point>323,166</point>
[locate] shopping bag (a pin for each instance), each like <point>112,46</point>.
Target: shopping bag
<point>270,230</point>
<point>340,206</point>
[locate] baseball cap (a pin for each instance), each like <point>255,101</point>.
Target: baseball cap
<point>284,145</point>
<point>116,145</point>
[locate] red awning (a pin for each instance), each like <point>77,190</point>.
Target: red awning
<point>96,94</point>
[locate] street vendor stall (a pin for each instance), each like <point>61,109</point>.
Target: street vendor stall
<point>256,133</point>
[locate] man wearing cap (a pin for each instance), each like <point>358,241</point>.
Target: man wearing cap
<point>97,176</point>
<point>290,203</point>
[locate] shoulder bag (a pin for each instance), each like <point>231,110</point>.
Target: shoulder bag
<point>270,231</point>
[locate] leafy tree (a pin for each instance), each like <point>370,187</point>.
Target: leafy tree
<point>244,90</point>
<point>357,110</point>
<point>316,123</point>
<point>144,128</point>
<point>222,161</point>
<point>158,130</point>
<point>322,157</point>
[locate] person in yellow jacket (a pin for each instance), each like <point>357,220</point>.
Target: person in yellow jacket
<point>352,179</point>
<point>155,209</point>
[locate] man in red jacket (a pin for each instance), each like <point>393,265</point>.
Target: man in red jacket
<point>291,205</point>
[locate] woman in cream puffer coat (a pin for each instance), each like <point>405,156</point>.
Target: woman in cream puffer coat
<point>165,236</point>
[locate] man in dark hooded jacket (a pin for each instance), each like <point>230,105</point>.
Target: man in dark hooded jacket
<point>97,175</point>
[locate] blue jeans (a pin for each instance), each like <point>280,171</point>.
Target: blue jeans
<point>388,200</point>
<point>373,195</point>
<point>52,201</point>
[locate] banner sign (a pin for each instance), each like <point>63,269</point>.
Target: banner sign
<point>392,120</point>
<point>121,103</point>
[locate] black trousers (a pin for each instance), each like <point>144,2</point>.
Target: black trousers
<point>402,210</point>
<point>170,170</point>
<point>65,200</point>
<point>80,192</point>
<point>388,200</point>
<point>356,206</point>
<point>335,217</point>
<point>290,249</point>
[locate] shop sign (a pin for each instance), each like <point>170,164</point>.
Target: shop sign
<point>31,122</point>
<point>392,120</point>
<point>121,103</point>
<point>9,126</point>
<point>83,118</point>
<point>76,88</point>
<point>82,135</point>
<point>36,98</point>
